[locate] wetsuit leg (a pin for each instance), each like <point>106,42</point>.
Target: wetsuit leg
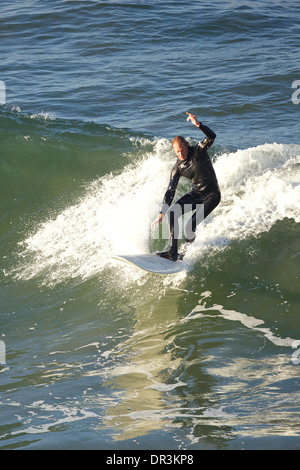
<point>185,204</point>
<point>204,206</point>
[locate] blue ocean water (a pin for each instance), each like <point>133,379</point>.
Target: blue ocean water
<point>99,355</point>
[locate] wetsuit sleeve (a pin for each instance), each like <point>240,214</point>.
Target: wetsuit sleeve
<point>210,136</point>
<point>170,193</point>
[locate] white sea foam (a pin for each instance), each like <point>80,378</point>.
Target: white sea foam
<point>45,115</point>
<point>56,415</point>
<point>259,186</point>
<point>248,321</point>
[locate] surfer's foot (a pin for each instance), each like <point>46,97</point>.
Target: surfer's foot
<point>168,255</point>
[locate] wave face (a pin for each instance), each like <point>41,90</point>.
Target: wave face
<point>113,213</point>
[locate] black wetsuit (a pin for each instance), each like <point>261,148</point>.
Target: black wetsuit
<point>204,196</point>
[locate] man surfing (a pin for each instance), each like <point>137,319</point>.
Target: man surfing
<point>192,163</point>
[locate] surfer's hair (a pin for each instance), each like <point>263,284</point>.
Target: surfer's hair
<point>179,140</point>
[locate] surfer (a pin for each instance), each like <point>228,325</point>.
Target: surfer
<point>192,163</point>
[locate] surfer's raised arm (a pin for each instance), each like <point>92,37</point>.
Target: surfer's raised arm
<point>210,135</point>
<point>191,117</point>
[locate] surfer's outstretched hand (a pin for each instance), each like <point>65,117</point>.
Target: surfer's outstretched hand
<point>157,221</point>
<point>191,117</point>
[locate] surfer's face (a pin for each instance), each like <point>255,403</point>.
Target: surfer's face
<point>181,150</point>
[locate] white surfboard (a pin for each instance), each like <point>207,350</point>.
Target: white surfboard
<point>153,263</point>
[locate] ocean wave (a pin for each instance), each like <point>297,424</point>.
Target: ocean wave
<point>260,186</point>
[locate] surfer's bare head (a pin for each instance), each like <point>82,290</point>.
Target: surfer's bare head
<point>180,147</point>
